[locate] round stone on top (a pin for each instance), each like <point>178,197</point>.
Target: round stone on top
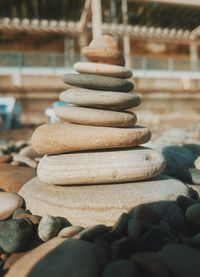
<point>104,49</point>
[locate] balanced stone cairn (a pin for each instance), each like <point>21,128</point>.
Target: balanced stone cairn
<point>93,153</point>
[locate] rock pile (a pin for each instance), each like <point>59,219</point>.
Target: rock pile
<point>158,239</point>
<point>95,148</point>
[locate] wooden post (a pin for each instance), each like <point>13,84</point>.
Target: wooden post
<point>127,50</point>
<point>96,18</point>
<point>194,55</point>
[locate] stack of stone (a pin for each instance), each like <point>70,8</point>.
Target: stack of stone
<point>93,154</point>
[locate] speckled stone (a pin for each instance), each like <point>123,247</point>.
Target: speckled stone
<point>100,99</point>
<point>101,167</point>
<point>98,82</point>
<point>62,137</point>
<point>103,69</point>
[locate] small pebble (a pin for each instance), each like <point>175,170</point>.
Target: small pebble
<point>145,213</point>
<point>182,260</point>
<point>24,160</point>
<point>135,228</point>
<point>122,223</point>
<point>9,202</point>
<point>20,211</point>
<point>184,202</point>
<point>121,248</point>
<point>34,219</point>
<point>151,263</point>
<point>120,268</point>
<point>15,235</point>
<point>69,232</point>
<point>92,232</point>
<point>192,214</point>
<point>50,226</point>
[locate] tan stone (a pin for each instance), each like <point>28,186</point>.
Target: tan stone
<point>103,49</point>
<point>24,265</point>
<point>103,69</point>
<point>101,166</point>
<point>100,99</point>
<point>95,117</point>
<point>62,137</point>
<point>12,177</point>
<point>98,204</point>
<point>9,202</point>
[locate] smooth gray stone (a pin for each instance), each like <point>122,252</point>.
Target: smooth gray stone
<point>98,82</point>
<point>15,235</point>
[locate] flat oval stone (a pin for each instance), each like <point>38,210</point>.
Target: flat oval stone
<point>103,69</point>
<point>62,137</point>
<point>98,82</point>
<point>9,202</point>
<point>100,99</point>
<point>101,166</point>
<point>98,204</point>
<point>95,117</point>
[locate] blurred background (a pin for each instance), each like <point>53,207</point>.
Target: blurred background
<point>40,40</point>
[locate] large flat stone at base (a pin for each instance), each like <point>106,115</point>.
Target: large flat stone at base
<point>89,205</point>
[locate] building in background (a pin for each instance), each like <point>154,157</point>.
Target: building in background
<point>41,39</point>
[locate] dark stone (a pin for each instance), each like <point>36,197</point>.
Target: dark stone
<point>20,211</point>
<point>155,239</point>
<point>135,228</point>
<point>151,264</point>
<point>195,175</point>
<point>182,260</point>
<point>172,214</point>
<point>146,214</point>
<point>120,268</point>
<point>71,258</point>
<point>180,159</point>
<point>109,236</point>
<point>121,248</point>
<point>98,82</point>
<point>90,233</point>
<point>184,202</point>
<point>15,235</point>
<point>122,223</point>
